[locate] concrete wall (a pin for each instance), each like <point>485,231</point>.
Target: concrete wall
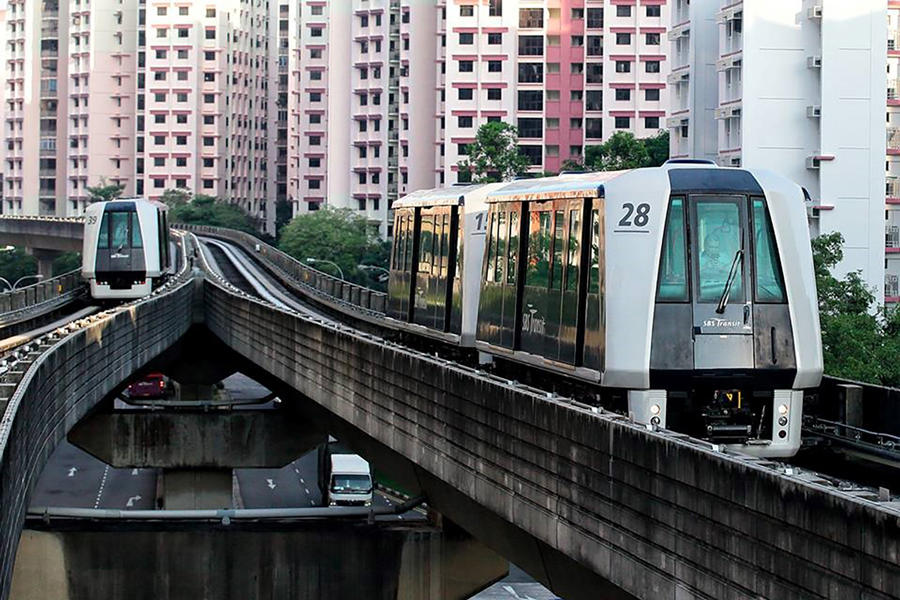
<point>64,385</point>
<point>575,497</point>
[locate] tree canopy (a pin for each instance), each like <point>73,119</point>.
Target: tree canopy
<point>494,156</point>
<point>65,262</point>
<point>859,341</point>
<point>105,192</point>
<point>14,263</point>
<point>339,235</point>
<point>206,210</point>
<point>624,151</point>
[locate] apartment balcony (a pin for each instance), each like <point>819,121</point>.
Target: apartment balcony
<point>892,190</point>
<point>893,92</point>
<point>893,42</point>
<point>891,288</point>
<point>893,140</point>
<point>892,239</point>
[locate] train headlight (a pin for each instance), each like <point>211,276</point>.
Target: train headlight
<point>654,410</point>
<point>782,421</point>
<point>782,409</point>
<point>655,421</point>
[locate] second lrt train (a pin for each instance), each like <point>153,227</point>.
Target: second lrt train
<point>126,249</point>
<point>685,290</point>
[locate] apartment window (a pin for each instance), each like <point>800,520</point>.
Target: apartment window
<point>531,45</point>
<point>465,122</point>
<point>623,11</point>
<point>531,127</point>
<point>162,32</point>
<point>595,18</point>
<point>181,161</point>
<point>182,54</point>
<point>208,184</point>
<point>577,14</point>
<point>315,184</point>
<point>161,11</point>
<point>183,32</point>
<point>315,32</point>
<point>159,97</point>
<point>594,45</point>
<point>594,73</point>
<point>495,66</point>
<point>552,95</point>
<point>159,140</point>
<point>495,8</point>
<point>494,94</point>
<point>593,129</point>
<point>575,123</point>
<point>183,11</point>
<point>552,67</point>
<point>159,161</point>
<point>576,68</point>
<point>623,66</point>
<point>465,93</point>
<point>159,76</point>
<point>651,66</point>
<point>210,34</point>
<point>207,162</point>
<point>466,39</point>
<point>531,100</point>
<point>651,122</point>
<point>376,178</point>
<point>466,66</point>
<point>161,54</point>
<point>576,95</point>
<point>361,178</point>
<point>467,10</point>
<point>209,77</point>
<point>623,39</point>
<point>315,53</point>
<point>652,39</point>
<point>315,162</point>
<point>654,11</point>
<point>181,97</point>
<point>552,151</point>
<point>364,20</point>
<point>209,119</point>
<point>651,95</point>
<point>181,119</point>
<point>376,99</point>
<point>315,140</point>
<point>577,40</point>
<point>209,98</point>
<point>315,96</point>
<point>209,55</point>
<point>623,94</point>
<point>495,39</point>
<point>531,72</point>
<point>315,75</point>
<point>181,140</point>
<point>534,154</point>
<point>159,119</point>
<point>623,122</point>
<point>531,18</point>
<point>210,13</point>
<point>159,183</point>
<point>462,149</point>
<point>362,152</point>
<point>315,119</point>
<point>181,75</point>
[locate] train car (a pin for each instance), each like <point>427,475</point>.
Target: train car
<point>687,289</point>
<point>433,230</point>
<point>126,248</point>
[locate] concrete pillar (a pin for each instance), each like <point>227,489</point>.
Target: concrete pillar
<point>850,397</point>
<point>45,260</point>
<point>189,489</point>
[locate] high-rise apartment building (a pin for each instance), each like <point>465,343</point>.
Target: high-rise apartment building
<point>892,160</point>
<point>799,89</point>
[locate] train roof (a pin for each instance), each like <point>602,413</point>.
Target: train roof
<point>584,185</point>
<point>445,196</point>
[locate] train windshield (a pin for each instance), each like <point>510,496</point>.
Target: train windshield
<point>769,282</point>
<point>719,249</point>
<point>120,230</point>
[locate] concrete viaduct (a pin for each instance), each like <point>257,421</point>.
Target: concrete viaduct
<point>587,502</point>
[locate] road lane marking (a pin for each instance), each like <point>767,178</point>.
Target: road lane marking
<point>132,500</point>
<point>102,485</point>
<point>72,471</point>
<point>271,484</point>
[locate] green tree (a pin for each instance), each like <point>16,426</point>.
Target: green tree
<point>337,235</point>
<point>657,148</point>
<point>494,156</point>
<point>621,151</point>
<point>68,261</point>
<point>207,210</point>
<point>283,214</point>
<point>573,164</point>
<point>14,264</point>
<point>173,197</point>
<point>105,192</point>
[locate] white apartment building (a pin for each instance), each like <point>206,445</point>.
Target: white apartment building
<point>799,90</point>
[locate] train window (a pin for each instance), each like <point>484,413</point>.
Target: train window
<point>426,231</point>
<point>460,234</point>
<point>445,245</point>
<point>594,277</point>
<point>719,245</point>
<point>538,249</point>
<point>558,231</point>
<point>501,247</point>
<point>103,237</point>
<point>398,241</point>
<point>673,266</point>
<point>492,247</point>
<point>408,242</point>
<point>574,245</point>
<point>769,283</point>
<point>137,240</point>
<point>118,222</point>
<point>513,248</point>
<point>436,245</point>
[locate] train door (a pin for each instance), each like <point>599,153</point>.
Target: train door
<point>594,343</point>
<point>550,306</point>
<point>498,308</point>
<point>399,286</point>
<point>457,230</point>
<point>722,308</point>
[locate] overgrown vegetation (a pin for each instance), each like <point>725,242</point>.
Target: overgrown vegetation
<point>206,210</point>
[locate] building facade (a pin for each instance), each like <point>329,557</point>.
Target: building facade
<point>799,89</point>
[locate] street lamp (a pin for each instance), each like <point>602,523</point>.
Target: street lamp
<point>313,261</point>
<point>383,278</point>
<point>15,286</point>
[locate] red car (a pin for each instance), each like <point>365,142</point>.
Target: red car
<point>151,386</point>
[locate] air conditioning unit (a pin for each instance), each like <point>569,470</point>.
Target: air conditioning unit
<point>813,111</point>
<point>814,12</point>
<point>812,162</point>
<point>814,62</point>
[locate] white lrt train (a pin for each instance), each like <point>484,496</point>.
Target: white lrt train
<point>687,290</point>
<point>126,247</point>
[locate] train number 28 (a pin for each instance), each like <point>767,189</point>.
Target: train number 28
<point>641,215</point>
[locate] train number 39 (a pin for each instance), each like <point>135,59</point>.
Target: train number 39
<point>641,215</point>
<point>91,220</point>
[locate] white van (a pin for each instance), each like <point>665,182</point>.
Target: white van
<point>350,483</point>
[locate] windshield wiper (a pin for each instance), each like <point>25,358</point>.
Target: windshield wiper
<point>732,275</point>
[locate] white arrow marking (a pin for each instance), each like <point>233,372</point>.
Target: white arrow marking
<point>134,472</point>
<point>271,483</point>
<point>72,471</point>
<point>301,480</point>
<point>131,501</point>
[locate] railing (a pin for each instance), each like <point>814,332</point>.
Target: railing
<point>893,138</point>
<point>40,297</point>
<point>892,187</point>
<point>329,288</point>
<point>891,286</point>
<point>891,236</point>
